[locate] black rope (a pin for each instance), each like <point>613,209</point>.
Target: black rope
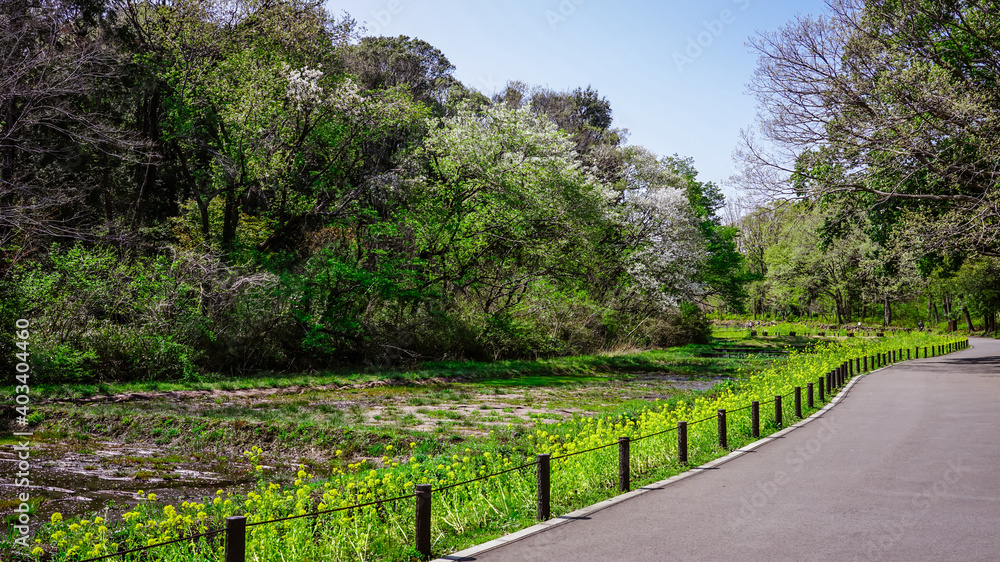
<point>655,434</point>
<point>484,477</point>
<point>747,407</point>
<point>317,513</point>
<point>568,455</point>
<point>703,420</point>
<point>157,545</point>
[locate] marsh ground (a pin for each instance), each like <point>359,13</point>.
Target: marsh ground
<point>92,451</point>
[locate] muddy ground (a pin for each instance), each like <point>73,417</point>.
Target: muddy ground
<point>93,456</point>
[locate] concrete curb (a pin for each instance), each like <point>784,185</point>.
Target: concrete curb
<point>469,554</point>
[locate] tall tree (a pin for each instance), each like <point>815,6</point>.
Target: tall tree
<point>57,142</point>
<point>888,101</point>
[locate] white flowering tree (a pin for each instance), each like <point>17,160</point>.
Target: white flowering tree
<point>660,248</point>
<point>503,202</point>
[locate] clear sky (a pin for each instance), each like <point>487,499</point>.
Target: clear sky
<point>675,72</point>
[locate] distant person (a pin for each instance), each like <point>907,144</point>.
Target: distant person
<point>920,325</point>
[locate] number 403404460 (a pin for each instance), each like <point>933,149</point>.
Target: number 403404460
<point>21,342</point>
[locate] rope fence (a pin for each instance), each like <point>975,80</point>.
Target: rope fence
<point>235,529</point>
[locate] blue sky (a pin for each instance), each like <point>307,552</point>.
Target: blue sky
<point>674,72</point>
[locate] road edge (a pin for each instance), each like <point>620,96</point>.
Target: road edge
<point>468,555</point>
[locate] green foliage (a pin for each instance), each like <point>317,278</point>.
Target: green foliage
<point>271,190</point>
<point>384,531</point>
<point>99,317</point>
<point>724,270</point>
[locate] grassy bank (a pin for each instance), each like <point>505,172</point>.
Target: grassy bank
<point>389,465</point>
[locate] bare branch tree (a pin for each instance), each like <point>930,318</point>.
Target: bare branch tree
<point>885,103</point>
<point>50,129</point>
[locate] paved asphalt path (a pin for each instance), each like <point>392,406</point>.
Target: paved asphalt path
<point>905,467</point>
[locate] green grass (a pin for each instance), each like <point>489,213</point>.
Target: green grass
<point>545,372</point>
<point>619,400</point>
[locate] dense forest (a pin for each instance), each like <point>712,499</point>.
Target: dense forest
<point>191,187</point>
<point>208,186</point>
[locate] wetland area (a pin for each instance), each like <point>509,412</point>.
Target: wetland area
<point>93,452</point>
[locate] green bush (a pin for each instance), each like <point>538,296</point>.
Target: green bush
<point>97,315</point>
<point>687,325</point>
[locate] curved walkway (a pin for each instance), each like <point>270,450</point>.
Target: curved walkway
<point>906,466</point>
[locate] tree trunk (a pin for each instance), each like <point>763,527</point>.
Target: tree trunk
<point>230,219</point>
<point>887,312</point>
<point>206,227</point>
<point>937,319</point>
<point>968,319</point>
<point>838,301</point>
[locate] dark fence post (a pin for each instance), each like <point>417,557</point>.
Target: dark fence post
<point>423,523</point>
<point>798,402</point>
<point>777,409</point>
<point>723,442</point>
<point>810,403</point>
<point>755,419</point>
<point>866,363</point>
<point>907,354</point>
<point>544,486</point>
<point>822,398</point>
<point>623,464</point>
<point>682,442</point>
<point>236,538</point>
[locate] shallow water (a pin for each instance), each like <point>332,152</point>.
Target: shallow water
<point>101,480</point>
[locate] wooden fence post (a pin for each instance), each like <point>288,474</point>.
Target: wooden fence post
<point>623,464</point>
<point>423,523</point>
<point>723,442</point>
<point>544,486</point>
<point>236,538</point>
<point>682,442</point>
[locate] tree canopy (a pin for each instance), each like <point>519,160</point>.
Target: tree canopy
<point>249,184</point>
